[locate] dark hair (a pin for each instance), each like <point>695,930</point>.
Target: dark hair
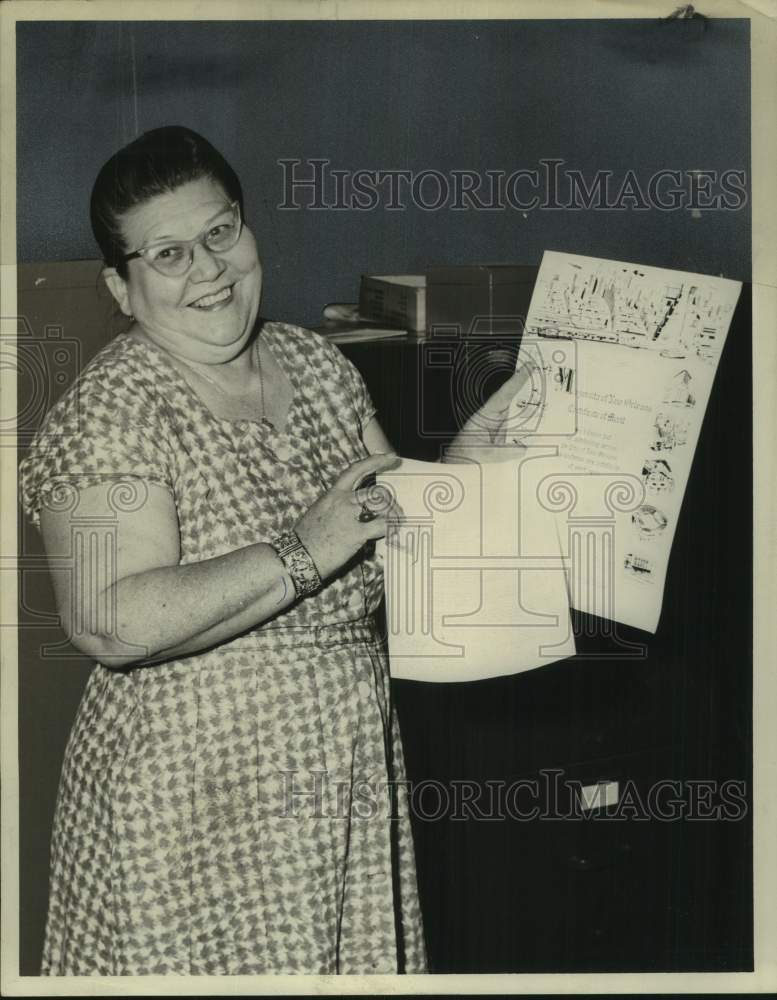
<point>155,163</point>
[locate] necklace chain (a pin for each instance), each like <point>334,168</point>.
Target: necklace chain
<point>221,389</point>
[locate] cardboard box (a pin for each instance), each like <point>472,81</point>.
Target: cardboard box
<point>475,300</point>
<point>397,300</point>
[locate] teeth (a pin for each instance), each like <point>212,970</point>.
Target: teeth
<point>209,300</point>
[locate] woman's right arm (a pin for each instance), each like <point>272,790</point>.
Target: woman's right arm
<point>124,597</point>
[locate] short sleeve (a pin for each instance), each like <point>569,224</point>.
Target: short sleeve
<point>105,429</point>
<point>353,384</point>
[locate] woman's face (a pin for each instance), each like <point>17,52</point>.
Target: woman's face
<point>176,312</point>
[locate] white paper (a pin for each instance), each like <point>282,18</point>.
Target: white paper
<point>475,583</point>
<point>621,361</point>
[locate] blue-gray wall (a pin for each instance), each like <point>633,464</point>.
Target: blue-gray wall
<point>599,95</point>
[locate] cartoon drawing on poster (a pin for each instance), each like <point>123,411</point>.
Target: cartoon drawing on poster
<point>640,567</point>
<point>669,433</point>
<point>678,391</point>
<point>642,345</point>
<point>649,521</point>
<point>657,476</point>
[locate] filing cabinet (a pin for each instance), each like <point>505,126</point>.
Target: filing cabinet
<point>520,894</point>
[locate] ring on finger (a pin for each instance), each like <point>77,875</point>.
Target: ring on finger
<point>366,514</point>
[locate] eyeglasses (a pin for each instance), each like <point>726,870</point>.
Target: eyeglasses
<point>175,258</point>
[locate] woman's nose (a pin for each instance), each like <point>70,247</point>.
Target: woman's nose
<point>206,265</point>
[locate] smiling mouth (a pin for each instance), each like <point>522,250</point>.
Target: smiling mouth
<point>214,300</point>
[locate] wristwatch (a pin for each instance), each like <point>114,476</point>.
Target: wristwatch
<point>299,563</point>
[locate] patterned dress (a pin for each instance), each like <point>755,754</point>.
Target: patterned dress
<point>241,810</point>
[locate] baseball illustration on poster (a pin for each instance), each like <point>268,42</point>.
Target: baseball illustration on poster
<point>384,394</point>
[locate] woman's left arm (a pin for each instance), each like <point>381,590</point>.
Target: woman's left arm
<point>375,438</point>
<point>482,439</point>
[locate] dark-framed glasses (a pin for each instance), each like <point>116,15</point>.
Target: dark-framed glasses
<point>174,257</point>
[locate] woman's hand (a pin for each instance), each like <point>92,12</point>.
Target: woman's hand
<point>484,436</point>
<point>331,530</point>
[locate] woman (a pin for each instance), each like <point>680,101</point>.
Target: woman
<point>224,801</point>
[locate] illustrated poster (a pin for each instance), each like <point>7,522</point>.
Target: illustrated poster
<point>620,361</point>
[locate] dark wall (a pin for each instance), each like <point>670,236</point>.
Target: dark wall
<point>599,95</point>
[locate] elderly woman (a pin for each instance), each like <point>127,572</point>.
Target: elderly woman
<point>231,800</point>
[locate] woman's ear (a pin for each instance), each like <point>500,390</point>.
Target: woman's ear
<point>118,289</point>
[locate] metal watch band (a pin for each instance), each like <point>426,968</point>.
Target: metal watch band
<point>298,561</point>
